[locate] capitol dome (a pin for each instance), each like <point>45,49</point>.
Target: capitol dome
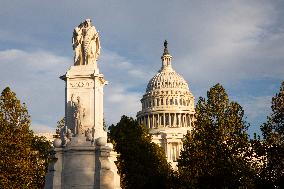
<point>168,109</point>
<point>167,78</point>
<point>167,102</point>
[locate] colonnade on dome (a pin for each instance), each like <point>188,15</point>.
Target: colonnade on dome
<point>167,101</point>
<point>155,120</point>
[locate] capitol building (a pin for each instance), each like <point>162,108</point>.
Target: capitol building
<point>168,109</point>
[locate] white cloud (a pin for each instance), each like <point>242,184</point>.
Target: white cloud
<point>256,108</point>
<point>231,36</point>
<point>118,102</point>
<point>41,128</point>
<point>33,76</point>
<point>228,42</point>
<point>120,70</point>
<point>126,86</point>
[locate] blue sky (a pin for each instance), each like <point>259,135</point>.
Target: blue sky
<point>239,44</point>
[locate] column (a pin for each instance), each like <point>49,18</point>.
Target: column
<point>164,119</point>
<point>189,117</point>
<point>158,122</point>
<point>146,121</point>
<point>187,120</point>
<point>175,120</point>
<point>153,120</point>
<point>179,120</point>
<point>167,119</point>
<point>170,120</point>
<point>169,150</point>
<point>183,123</point>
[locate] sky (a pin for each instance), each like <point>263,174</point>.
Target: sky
<point>239,44</point>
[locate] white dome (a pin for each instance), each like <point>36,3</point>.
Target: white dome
<point>167,78</point>
<point>167,101</point>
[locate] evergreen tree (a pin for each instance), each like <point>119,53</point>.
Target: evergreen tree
<point>22,160</point>
<point>273,133</point>
<point>141,163</point>
<point>217,153</point>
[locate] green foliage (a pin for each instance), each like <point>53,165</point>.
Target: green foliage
<point>104,125</point>
<point>41,149</point>
<point>141,163</point>
<point>217,153</point>
<point>273,129</point>
<point>273,133</point>
<point>60,125</point>
<point>22,156</point>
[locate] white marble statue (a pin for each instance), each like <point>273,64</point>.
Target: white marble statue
<point>79,114</point>
<point>77,44</point>
<point>86,44</point>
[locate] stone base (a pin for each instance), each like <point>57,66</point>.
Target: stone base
<point>81,165</point>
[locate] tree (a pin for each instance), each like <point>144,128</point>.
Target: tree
<point>59,127</point>
<point>61,123</point>
<point>104,125</point>
<point>22,160</point>
<point>273,133</point>
<point>40,147</point>
<point>217,153</point>
<point>141,163</point>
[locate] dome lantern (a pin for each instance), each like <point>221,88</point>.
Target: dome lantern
<point>166,58</point>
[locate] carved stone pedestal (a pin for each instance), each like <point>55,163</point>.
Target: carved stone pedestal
<point>83,166</point>
<point>84,100</point>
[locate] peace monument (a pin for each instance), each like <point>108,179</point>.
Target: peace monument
<point>81,157</point>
